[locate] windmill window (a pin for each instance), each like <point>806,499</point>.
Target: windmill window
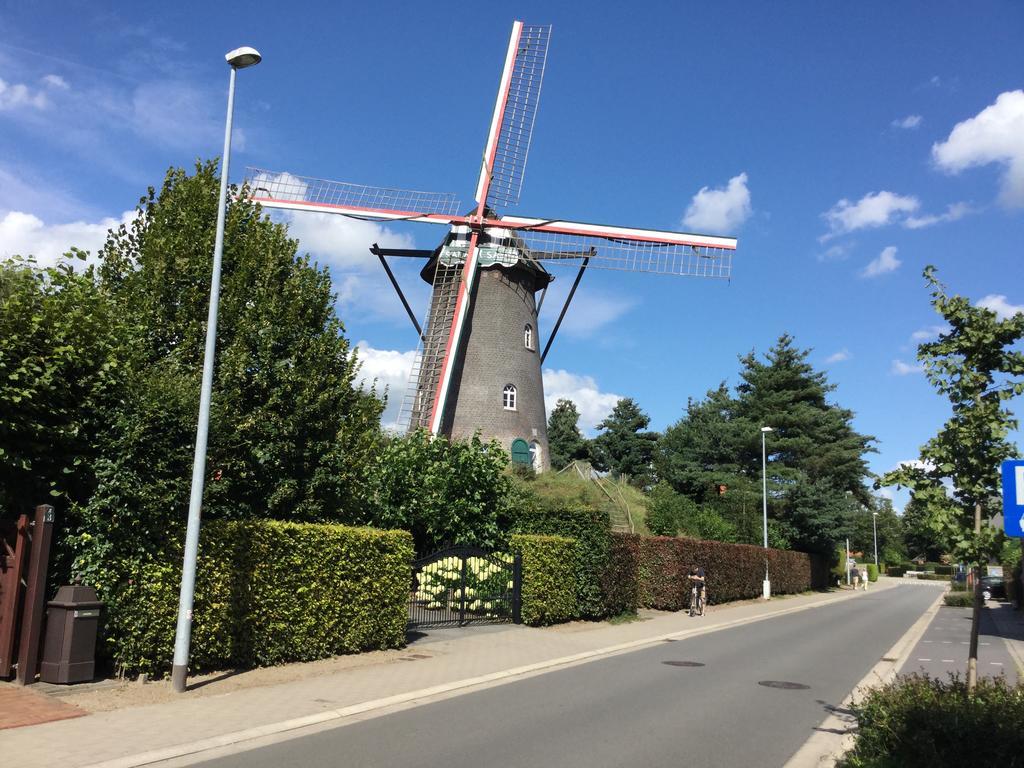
<point>528,336</point>
<point>508,397</point>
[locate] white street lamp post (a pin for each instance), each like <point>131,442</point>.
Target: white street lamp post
<point>766,587</point>
<point>240,58</point>
<point>874,530</point>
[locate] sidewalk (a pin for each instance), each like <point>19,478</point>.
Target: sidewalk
<point>437,664</point>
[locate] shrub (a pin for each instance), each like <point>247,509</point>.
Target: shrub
<point>944,570</point>
<point>959,599</point>
<point>620,581</point>
<point>662,574</point>
<point>958,586</point>
<point>895,570</point>
<point>872,572</point>
<point>931,577</point>
<point>266,593</point>
<point>919,721</point>
<point>592,532</point>
<point>550,565</point>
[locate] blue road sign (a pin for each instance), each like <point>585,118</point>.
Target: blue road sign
<point>1013,497</point>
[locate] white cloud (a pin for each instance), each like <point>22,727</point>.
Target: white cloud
<point>875,209</point>
<point>720,210</point>
<point>56,81</point>
<point>389,370</point>
<point>885,263</point>
<point>27,235</point>
<point>953,212</point>
<point>591,309</point>
<point>908,123</point>
<point>838,357</point>
<point>997,303</point>
<point>899,368</point>
<point>929,333</point>
<point>837,252</point>
<point>994,135</point>
<point>593,404</point>
<point>17,95</point>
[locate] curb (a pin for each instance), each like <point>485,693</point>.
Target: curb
<point>834,736</point>
<point>425,695</point>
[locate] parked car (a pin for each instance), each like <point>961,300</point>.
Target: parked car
<point>993,587</point>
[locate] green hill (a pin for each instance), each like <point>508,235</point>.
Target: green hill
<point>623,503</point>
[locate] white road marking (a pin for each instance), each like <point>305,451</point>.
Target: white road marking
<point>924,659</point>
<point>996,663</point>
<point>986,643</point>
<point>947,661</point>
<point>927,641</point>
<point>947,642</point>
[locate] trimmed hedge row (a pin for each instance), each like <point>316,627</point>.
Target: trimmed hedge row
<point>872,572</point>
<point>733,571</point>
<point>549,591</point>
<point>267,592</point>
<point>591,531</point>
<point>620,581</point>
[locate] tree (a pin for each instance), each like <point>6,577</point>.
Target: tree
<point>624,447</point>
<point>976,367</point>
<point>920,539</point>
<point>60,371</point>
<point>565,442</point>
<point>444,492</point>
<point>291,436</point>
<point>880,516</point>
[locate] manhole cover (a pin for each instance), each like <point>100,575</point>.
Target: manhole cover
<point>683,663</point>
<point>784,684</point>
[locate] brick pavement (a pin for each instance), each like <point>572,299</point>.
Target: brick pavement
<point>21,706</point>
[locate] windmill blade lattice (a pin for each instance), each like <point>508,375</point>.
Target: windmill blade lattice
<point>517,120</point>
<point>629,255</point>
<point>275,189</point>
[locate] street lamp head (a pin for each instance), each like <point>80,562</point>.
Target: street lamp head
<point>874,514</point>
<point>243,57</point>
<point>767,429</point>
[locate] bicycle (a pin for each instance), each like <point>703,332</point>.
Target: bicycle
<point>696,601</point>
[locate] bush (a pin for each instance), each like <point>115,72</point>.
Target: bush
<point>959,599</point>
<point>958,586</point>
<point>620,582</point>
<point>592,532</point>
<point>944,570</point>
<point>919,721</point>
<point>931,577</point>
<point>872,572</point>
<point>662,574</point>
<point>895,570</point>
<point>550,565</point>
<point>267,592</point>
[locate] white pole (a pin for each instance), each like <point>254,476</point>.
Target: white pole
<point>238,58</point>
<point>766,587</point>
<point>874,528</point>
<point>847,562</point>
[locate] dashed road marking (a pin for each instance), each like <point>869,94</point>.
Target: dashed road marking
<point>996,663</point>
<point>924,659</point>
<point>947,661</point>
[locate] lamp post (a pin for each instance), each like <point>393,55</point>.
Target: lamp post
<point>874,530</point>
<point>240,58</point>
<point>766,586</point>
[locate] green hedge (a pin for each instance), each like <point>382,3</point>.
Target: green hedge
<point>872,572</point>
<point>895,570</point>
<point>662,574</point>
<point>959,599</point>
<point>931,577</point>
<point>591,530</point>
<point>620,581</point>
<point>550,565</point>
<point>267,592</point>
<point>920,722</point>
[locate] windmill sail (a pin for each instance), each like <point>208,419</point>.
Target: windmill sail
<point>515,111</point>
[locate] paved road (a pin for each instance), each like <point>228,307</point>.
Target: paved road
<point>944,645</point>
<point>638,709</point>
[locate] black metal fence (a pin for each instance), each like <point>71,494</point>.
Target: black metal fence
<point>456,586</point>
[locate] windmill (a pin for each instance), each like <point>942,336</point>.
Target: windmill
<point>478,363</point>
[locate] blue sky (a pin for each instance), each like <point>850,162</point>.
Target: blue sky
<point>846,145</point>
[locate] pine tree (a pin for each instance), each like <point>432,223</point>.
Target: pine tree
<point>565,442</point>
<point>625,447</point>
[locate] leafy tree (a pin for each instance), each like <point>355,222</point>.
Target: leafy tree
<point>974,364</point>
<point>624,447</point>
<point>920,538</point>
<point>816,515</point>
<point>668,511</point>
<point>862,526</point>
<point>60,368</point>
<point>444,492</point>
<point>565,441</point>
<point>291,437</point>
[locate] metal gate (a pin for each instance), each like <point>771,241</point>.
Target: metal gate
<point>456,586</point>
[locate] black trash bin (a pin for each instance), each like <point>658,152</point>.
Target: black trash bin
<point>72,620</point>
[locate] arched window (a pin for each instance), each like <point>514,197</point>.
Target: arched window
<point>528,336</point>
<point>508,397</point>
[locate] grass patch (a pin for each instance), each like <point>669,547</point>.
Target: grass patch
<point>624,618</point>
<point>569,487</point>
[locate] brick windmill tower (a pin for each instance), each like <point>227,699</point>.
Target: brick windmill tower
<point>478,364</point>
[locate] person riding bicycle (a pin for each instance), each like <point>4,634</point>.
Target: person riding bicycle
<point>697,581</point>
